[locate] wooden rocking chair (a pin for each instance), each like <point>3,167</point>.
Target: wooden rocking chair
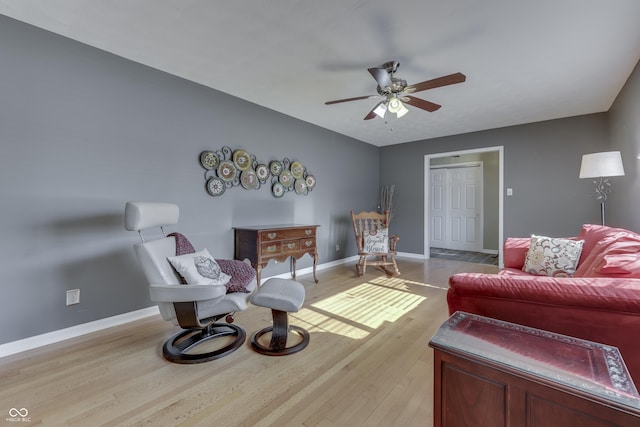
<point>371,232</point>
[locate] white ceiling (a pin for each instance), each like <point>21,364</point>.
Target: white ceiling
<point>525,61</point>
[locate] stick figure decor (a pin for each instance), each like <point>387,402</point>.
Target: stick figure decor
<point>226,168</point>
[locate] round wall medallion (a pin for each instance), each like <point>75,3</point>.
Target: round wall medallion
<point>278,190</point>
<point>242,160</point>
<point>275,167</point>
<point>215,186</point>
<point>227,171</point>
<point>263,173</point>
<point>209,160</point>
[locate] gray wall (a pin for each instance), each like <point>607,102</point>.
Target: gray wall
<point>623,204</point>
<point>541,164</point>
<point>84,131</point>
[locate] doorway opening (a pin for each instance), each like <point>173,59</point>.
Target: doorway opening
<point>464,200</point>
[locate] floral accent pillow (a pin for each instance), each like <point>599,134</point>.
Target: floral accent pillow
<point>199,268</point>
<point>377,241</point>
<point>548,256</point>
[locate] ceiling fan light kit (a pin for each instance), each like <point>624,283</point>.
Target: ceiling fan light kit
<point>395,90</point>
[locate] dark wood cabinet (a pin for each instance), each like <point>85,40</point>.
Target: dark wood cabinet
<point>493,373</point>
<point>261,244</point>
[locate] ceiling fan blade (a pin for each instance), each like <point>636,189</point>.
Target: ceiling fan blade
<point>437,82</point>
<point>421,103</point>
<point>337,101</point>
<point>382,77</point>
<point>372,113</point>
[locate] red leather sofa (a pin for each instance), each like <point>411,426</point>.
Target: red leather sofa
<point>600,302</point>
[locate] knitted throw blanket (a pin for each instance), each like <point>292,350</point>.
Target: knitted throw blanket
<point>183,245</point>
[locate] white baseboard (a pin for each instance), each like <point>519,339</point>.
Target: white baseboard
<point>74,331</point>
<point>53,337</point>
<point>30,343</point>
<point>410,255</point>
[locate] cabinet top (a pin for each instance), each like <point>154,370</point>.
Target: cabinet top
<point>594,368</point>
<point>273,227</point>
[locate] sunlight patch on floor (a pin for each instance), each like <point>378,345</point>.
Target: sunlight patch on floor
<point>360,310</point>
<point>405,285</point>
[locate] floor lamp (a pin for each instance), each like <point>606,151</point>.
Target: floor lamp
<point>601,166</point>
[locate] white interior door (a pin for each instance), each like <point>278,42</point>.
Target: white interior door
<point>456,208</point>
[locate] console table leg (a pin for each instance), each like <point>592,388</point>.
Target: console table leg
<point>258,273</point>
<point>293,266</point>
<point>315,262</point>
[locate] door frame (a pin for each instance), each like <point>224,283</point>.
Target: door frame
<point>462,165</point>
<point>427,190</point>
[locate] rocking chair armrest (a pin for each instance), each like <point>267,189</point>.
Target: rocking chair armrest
<point>186,293</point>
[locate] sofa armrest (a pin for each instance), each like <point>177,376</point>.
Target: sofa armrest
<point>186,293</point>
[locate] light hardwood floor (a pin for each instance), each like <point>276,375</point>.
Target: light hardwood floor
<point>368,363</point>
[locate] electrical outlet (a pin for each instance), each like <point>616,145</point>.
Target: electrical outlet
<point>337,248</point>
<point>73,296</point>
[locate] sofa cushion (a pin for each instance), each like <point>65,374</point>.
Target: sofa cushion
<point>548,256</point>
<point>603,248</point>
<point>515,251</point>
<point>594,234</point>
<point>617,255</point>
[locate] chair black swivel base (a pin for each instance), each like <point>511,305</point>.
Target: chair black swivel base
<point>178,348</point>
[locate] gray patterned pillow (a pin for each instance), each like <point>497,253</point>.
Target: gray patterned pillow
<point>548,256</point>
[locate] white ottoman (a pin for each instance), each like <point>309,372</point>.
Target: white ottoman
<point>282,296</point>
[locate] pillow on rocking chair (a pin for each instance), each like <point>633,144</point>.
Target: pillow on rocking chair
<point>376,242</point>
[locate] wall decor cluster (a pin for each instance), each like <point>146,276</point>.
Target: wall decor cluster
<point>227,168</point>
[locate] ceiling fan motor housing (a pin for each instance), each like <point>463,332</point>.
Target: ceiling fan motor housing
<point>397,86</point>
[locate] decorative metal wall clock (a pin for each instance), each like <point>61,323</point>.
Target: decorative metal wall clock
<point>227,168</point>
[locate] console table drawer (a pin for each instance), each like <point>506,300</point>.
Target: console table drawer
<point>274,235</point>
<point>290,246</point>
<point>270,249</point>
<point>307,243</point>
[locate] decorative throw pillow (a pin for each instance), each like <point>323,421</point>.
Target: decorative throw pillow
<point>199,268</point>
<point>548,256</point>
<point>376,242</point>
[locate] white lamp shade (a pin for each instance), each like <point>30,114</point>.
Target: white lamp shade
<point>595,165</point>
<point>380,110</point>
<point>402,111</point>
<point>394,105</point>
<point>397,107</point>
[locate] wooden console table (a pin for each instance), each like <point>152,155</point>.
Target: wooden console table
<point>261,244</point>
<point>492,373</point>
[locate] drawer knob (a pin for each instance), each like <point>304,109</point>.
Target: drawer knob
<point>291,245</point>
<point>272,235</point>
<point>308,232</point>
<point>308,243</point>
<point>272,248</point>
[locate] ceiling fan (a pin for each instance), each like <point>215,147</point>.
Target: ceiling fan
<point>396,91</point>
